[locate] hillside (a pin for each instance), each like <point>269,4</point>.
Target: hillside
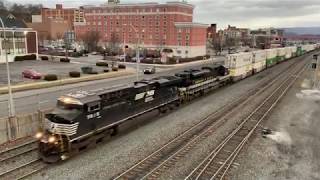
<point>302,30</point>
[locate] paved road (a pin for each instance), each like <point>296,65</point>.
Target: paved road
<point>30,101</point>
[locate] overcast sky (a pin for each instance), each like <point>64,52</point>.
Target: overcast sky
<point>243,13</point>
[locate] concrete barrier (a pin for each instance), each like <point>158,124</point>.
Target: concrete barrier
<point>40,85</point>
<point>21,126</point>
<point>3,130</point>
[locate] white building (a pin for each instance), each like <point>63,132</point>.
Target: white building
<point>19,41</point>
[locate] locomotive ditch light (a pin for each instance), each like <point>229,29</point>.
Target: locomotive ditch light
<point>51,139</point>
<point>39,135</point>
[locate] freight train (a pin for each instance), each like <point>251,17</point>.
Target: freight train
<point>84,118</point>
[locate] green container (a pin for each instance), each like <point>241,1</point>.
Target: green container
<point>272,61</point>
<point>299,51</point>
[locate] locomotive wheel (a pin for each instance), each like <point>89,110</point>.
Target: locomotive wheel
<point>92,144</point>
<point>114,131</point>
<point>163,110</point>
<point>171,106</point>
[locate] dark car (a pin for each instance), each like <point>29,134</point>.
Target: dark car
<point>32,74</point>
<point>149,70</point>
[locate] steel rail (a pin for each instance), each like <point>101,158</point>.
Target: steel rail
<point>135,170</point>
<point>211,157</point>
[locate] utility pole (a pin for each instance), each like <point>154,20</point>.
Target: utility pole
<point>11,103</point>
<point>137,51</point>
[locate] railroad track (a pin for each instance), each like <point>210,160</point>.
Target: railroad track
<point>18,151</point>
<point>166,156</point>
<point>24,170</point>
<point>218,162</point>
<point>15,155</point>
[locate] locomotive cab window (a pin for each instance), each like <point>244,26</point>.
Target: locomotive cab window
<point>93,107</point>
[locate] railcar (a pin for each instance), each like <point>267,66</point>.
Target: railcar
<point>259,61</point>
<point>271,57</point>
<point>85,118</point>
<point>288,53</point>
<point>199,82</point>
<point>281,55</point>
<point>240,65</point>
<point>293,50</point>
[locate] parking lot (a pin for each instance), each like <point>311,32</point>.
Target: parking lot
<point>44,67</point>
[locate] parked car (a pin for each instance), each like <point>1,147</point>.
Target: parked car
<point>149,70</point>
<point>134,58</point>
<point>32,74</point>
<point>122,57</point>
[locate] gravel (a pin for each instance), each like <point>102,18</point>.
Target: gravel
<point>121,152</point>
<point>18,161</point>
<point>185,165</point>
<point>292,152</point>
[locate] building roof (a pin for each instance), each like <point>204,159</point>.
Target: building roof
<point>174,3</point>
<point>10,21</point>
<point>190,24</point>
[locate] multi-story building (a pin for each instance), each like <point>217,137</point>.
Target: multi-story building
<point>67,15</point>
<point>48,30</point>
<point>212,31</point>
<point>19,40</point>
<point>268,37</point>
<point>152,25</point>
<point>236,33</point>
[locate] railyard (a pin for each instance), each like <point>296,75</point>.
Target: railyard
<point>158,90</point>
<point>110,159</point>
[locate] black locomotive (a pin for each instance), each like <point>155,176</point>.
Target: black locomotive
<point>83,118</point>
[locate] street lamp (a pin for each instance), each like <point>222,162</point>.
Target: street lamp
<point>124,45</point>
<point>137,51</point>
<point>11,103</point>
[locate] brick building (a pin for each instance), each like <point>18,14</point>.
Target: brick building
<point>66,15</point>
<point>20,40</point>
<point>268,37</point>
<point>152,25</point>
<point>50,29</point>
<point>212,31</point>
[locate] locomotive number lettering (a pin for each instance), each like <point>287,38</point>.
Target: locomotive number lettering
<point>94,115</point>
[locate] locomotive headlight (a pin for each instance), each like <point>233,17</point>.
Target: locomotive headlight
<point>39,135</point>
<point>51,139</point>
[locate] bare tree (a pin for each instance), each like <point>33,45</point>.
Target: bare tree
<point>91,40</point>
<point>114,43</point>
<point>216,44</point>
<point>49,37</point>
<point>59,35</point>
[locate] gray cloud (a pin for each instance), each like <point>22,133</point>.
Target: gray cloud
<point>237,12</point>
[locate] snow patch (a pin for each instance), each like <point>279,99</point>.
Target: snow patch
<point>280,138</point>
<point>306,83</point>
<point>309,94</point>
